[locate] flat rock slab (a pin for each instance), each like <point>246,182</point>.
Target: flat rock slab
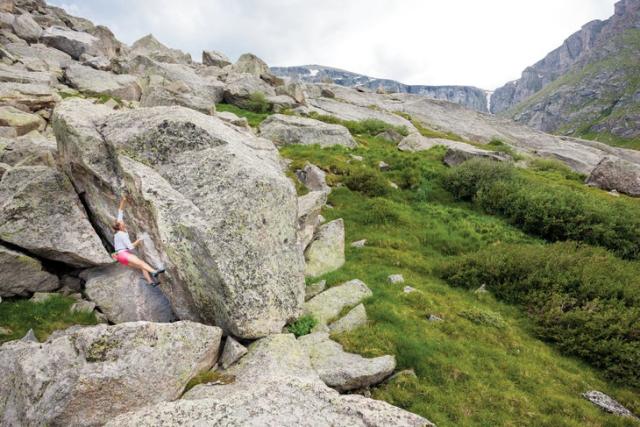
<point>284,130</point>
<point>22,122</point>
<point>31,96</point>
<point>15,150</point>
<point>344,371</point>
<point>40,212</point>
<point>85,375</point>
<point>325,306</point>
<point>326,252</point>
<point>275,386</point>
<point>355,318</point>
<point>314,289</point>
<point>21,275</point>
<point>73,43</point>
<point>122,294</point>
<point>608,404</point>
<point>92,81</point>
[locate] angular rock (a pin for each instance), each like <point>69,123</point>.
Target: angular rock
<point>40,212</point>
<point>220,212</point>
<point>615,173</point>
<point>31,97</point>
<point>74,43</point>
<point>229,117</point>
<point>151,47</point>
<point>294,90</point>
<point>355,318</point>
<point>30,336</point>
<point>20,74</point>
<point>341,370</point>
<point>41,296</point>
<point>5,331</point>
<point>92,81</point>
<point>325,306</point>
<point>21,275</point>
<point>123,295</point>
<point>232,352</point>
<point>248,63</point>
<point>97,62</point>
<point>434,318</point>
<point>408,289</point>
<point>391,135</point>
<point>383,166</point>
<point>395,278</point>
<point>309,207</point>
<point>285,130</point>
<point>84,376</point>
<point>463,152</point>
<point>275,385</point>
<point>83,307</point>
<point>314,289</point>
<point>215,59</point>
<point>313,178</point>
<point>16,150</point>
<point>240,89</point>
<point>326,252</point>
<point>607,404</point>
<point>54,60</point>
<point>22,122</point>
<point>359,244</point>
<point>26,28</point>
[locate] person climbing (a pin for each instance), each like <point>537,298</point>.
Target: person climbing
<point>123,247</point>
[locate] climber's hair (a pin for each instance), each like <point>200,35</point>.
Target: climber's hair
<point>117,225</point>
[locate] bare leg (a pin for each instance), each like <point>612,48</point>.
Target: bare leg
<point>136,262</point>
<point>147,276</point>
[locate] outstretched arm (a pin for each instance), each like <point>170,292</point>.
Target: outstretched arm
<point>123,201</point>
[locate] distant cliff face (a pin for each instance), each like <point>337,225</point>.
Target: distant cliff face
<point>470,97</point>
<point>588,86</point>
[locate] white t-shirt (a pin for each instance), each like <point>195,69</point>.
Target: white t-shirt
<point>121,240</point>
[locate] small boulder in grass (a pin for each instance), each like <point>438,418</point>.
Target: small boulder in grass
<point>30,336</point>
<point>359,243</point>
<point>608,404</point>
<point>408,289</point>
<point>395,278</point>
<point>384,166</point>
<point>434,318</point>
<point>356,157</point>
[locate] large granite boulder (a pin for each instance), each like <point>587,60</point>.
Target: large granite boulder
<point>28,97</point>
<point>248,63</point>
<point>313,178</point>
<point>53,60</point>
<point>85,376</point>
<point>21,275</point>
<point>355,318</point>
<point>16,150</point>
<point>284,130</point>
<point>40,212</point>
<point>327,305</point>
<point>240,89</point>
<point>92,81</point>
<point>326,252</point>
<point>21,122</point>
<point>74,43</point>
<point>341,370</point>
<point>613,173</point>
<point>26,28</point>
<point>220,212</point>
<point>122,294</point>
<point>20,74</point>
<point>275,386</point>
<point>151,47</point>
<point>214,58</point>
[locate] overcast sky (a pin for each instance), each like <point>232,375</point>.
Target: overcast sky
<point>432,42</point>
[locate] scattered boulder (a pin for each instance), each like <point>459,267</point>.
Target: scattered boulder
<point>460,153</point>
<point>74,43</point>
<point>355,318</point>
<point>284,130</point>
<point>613,173</point>
<point>232,352</point>
<point>325,306</point>
<point>390,135</point>
<point>607,404</point>
<point>326,252</point>
<point>83,307</point>
<point>19,74</point>
<point>219,210</point>
<point>395,278</point>
<point>233,119</point>
<point>41,296</point>
<point>86,375</point>
<point>28,97</point>
<point>295,90</point>
<point>408,289</point>
<point>314,289</point>
<point>434,318</point>
<point>309,207</point>
<point>40,212</point>
<point>26,28</point>
<point>356,157</point>
<point>21,275</point>
<point>50,59</point>
<point>240,89</point>
<point>5,331</point>
<point>92,81</point>
<point>123,295</point>
<point>275,385</point>
<point>30,336</point>
<point>22,122</point>
<point>383,166</point>
<point>313,178</point>
<point>359,244</point>
<point>149,46</point>
<point>15,150</point>
<point>341,370</point>
<point>248,63</point>
<point>214,58</point>
<point>97,62</point>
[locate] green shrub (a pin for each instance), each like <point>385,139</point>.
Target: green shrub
<point>555,166</point>
<point>366,181</point>
<point>484,317</point>
<point>380,211</point>
<point>257,103</point>
<point>583,299</point>
<point>367,127</point>
<point>468,179</point>
<point>302,326</point>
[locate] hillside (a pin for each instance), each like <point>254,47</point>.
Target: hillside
<point>470,97</point>
<point>319,255</point>
<point>588,87</point>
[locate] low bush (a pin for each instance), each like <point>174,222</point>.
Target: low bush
<point>583,299</point>
<point>257,103</point>
<point>468,179</point>
<point>367,181</point>
<point>302,326</point>
<point>380,211</point>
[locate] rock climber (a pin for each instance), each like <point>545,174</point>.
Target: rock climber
<point>123,247</point>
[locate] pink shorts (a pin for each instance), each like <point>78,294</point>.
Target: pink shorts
<point>123,257</point>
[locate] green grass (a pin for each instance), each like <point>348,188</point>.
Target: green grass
<point>302,326</point>
<point>253,118</point>
<point>20,315</point>
<point>483,365</point>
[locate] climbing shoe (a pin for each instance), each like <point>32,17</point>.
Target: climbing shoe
<point>156,273</point>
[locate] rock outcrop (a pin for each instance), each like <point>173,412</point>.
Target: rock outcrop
<point>92,81</point>
<point>85,376</point>
<point>21,274</point>
<point>285,130</point>
<point>275,385</point>
<point>220,211</point>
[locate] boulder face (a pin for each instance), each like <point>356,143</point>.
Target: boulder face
<point>220,211</point>
<point>151,47</point>
<point>326,252</point>
<point>74,43</point>
<point>275,385</point>
<point>215,59</point>
<point>21,275</point>
<point>285,130</point>
<point>40,212</point>
<point>123,295</point>
<point>327,305</point>
<point>616,174</point>
<point>87,79</point>
<point>84,376</point>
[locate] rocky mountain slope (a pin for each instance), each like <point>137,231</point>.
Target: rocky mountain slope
<point>589,86</point>
<point>468,96</point>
